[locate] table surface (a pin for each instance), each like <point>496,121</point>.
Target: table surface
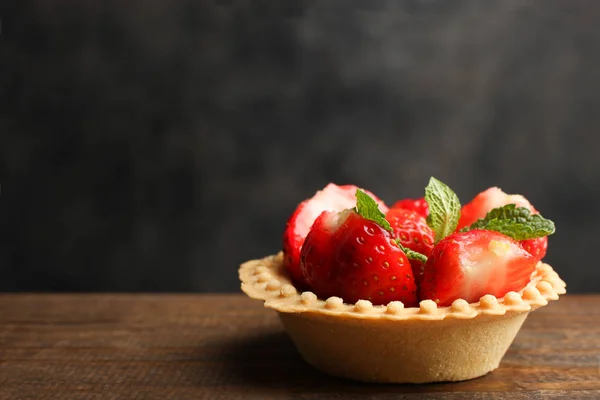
<point>230,347</point>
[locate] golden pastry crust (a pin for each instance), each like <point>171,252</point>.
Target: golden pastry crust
<point>266,279</point>
<point>392,343</point>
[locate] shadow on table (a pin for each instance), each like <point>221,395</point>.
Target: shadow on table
<point>271,363</point>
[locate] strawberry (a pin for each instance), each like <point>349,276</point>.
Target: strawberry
<point>418,205</point>
<point>471,264</point>
<point>359,254</point>
<point>536,247</point>
<point>487,200</point>
<point>352,256</point>
<point>317,252</point>
<point>411,229</point>
<point>330,198</point>
<point>492,198</point>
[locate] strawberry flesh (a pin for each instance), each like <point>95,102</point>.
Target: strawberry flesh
<point>492,198</point>
<point>486,201</point>
<point>469,265</point>
<point>331,198</point>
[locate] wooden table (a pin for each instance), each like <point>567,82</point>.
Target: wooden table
<point>230,347</point>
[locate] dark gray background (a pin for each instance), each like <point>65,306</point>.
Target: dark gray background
<point>153,145</point>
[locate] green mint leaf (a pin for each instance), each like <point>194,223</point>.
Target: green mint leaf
<point>444,208</point>
<point>515,222</point>
<point>368,208</point>
<point>411,254</point>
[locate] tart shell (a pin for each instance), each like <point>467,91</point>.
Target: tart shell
<point>394,344</point>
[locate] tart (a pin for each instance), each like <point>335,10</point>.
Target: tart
<point>443,330</point>
<point>391,343</point>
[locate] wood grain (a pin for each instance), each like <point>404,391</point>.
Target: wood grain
<point>230,347</point>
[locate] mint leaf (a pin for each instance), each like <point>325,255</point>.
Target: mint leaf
<point>515,222</point>
<point>368,208</point>
<point>444,208</point>
<point>411,254</point>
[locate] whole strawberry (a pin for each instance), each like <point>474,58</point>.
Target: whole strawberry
<point>469,265</point>
<point>411,229</point>
<point>419,205</point>
<point>331,198</point>
<point>353,255</point>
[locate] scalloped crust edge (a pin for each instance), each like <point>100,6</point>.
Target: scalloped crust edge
<point>266,279</point>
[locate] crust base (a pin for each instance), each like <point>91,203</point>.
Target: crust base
<point>394,344</point>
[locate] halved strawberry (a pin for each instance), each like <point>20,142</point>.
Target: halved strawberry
<point>418,205</point>
<point>487,200</point>
<point>492,198</point>
<point>469,265</point>
<point>317,264</point>
<point>412,230</point>
<point>349,256</point>
<point>331,198</point>
<point>536,247</point>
